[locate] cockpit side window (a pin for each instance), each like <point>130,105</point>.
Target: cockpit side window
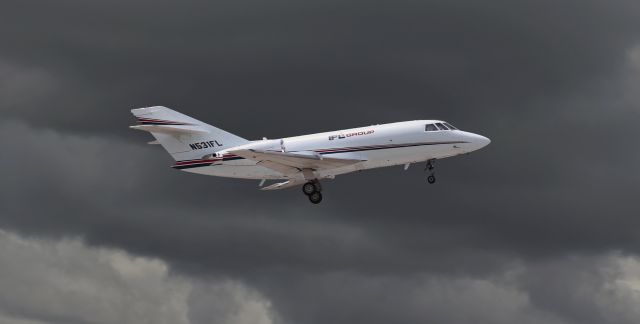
<point>450,126</point>
<point>442,127</point>
<point>430,128</point>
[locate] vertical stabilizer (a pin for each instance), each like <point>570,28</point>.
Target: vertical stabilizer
<point>185,138</point>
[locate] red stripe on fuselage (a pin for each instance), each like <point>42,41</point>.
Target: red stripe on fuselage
<point>180,163</point>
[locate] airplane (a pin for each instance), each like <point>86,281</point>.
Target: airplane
<point>304,160</point>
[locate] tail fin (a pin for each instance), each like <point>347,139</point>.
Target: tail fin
<point>185,138</point>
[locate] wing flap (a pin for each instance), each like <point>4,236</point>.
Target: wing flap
<point>284,169</point>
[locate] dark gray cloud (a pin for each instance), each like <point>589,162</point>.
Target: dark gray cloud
<point>554,85</point>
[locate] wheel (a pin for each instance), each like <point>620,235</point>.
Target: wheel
<point>309,188</point>
<point>431,179</point>
<point>315,197</point>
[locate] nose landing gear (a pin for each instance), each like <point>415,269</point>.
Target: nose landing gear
<point>430,167</point>
<point>313,190</point>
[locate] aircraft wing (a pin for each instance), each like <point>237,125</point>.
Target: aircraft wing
<point>289,163</point>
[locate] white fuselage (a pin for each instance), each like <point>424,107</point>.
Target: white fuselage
<point>377,145</point>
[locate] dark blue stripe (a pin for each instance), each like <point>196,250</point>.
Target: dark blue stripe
<point>388,147</point>
<point>345,150</point>
<point>189,166</point>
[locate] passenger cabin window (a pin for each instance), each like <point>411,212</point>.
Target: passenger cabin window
<point>442,127</point>
<point>431,128</point>
<point>450,126</point>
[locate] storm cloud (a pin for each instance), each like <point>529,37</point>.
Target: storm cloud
<point>539,227</point>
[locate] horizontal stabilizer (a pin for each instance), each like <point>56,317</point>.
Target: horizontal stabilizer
<point>170,129</point>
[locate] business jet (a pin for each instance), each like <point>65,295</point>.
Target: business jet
<point>303,160</point>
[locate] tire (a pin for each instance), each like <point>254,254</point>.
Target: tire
<point>315,197</point>
<point>431,179</point>
<point>309,188</point>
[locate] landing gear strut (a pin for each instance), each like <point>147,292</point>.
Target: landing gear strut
<point>430,167</point>
<point>313,190</point>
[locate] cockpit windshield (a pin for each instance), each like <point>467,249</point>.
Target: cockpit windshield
<point>450,126</point>
<point>439,127</point>
<point>431,128</point>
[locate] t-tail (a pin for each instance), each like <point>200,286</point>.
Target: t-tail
<point>185,138</point>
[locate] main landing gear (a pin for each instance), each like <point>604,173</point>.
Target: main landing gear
<point>430,167</point>
<point>313,190</point>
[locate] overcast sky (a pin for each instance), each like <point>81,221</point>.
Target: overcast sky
<point>541,226</point>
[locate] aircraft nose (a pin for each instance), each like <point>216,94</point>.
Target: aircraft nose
<point>478,141</point>
<point>482,141</point>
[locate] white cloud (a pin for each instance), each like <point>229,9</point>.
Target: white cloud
<point>230,303</point>
<point>7,319</point>
<point>47,281</point>
<point>630,273</point>
<point>619,298</point>
<point>585,289</point>
<point>65,281</point>
<point>634,57</point>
